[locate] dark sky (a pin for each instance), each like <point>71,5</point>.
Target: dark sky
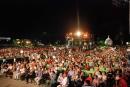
<point>22,19</point>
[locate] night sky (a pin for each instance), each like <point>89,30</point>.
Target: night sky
<point>51,19</point>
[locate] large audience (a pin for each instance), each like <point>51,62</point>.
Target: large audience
<point>67,67</point>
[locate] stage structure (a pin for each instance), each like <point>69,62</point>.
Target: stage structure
<point>79,39</point>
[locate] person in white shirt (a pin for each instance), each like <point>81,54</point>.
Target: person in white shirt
<point>64,82</point>
<point>60,79</point>
<point>17,73</point>
<point>39,75</point>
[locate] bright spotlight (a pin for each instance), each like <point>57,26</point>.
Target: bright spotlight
<point>78,33</point>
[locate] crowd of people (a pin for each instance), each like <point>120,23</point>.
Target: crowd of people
<point>68,67</point>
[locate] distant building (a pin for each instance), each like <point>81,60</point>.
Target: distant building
<point>108,41</point>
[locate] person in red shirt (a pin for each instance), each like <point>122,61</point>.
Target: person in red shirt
<point>122,82</point>
<point>89,78</point>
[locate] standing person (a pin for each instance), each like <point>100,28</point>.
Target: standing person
<point>64,82</point>
<point>60,79</point>
<point>110,78</point>
<point>22,72</point>
<point>53,79</point>
<point>89,78</point>
<point>122,81</point>
<point>116,81</point>
<point>39,75</point>
<point>70,74</point>
<point>95,81</point>
<point>17,73</point>
<point>27,74</point>
<point>104,78</point>
<point>32,75</point>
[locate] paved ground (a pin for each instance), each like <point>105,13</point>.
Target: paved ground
<point>7,82</point>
